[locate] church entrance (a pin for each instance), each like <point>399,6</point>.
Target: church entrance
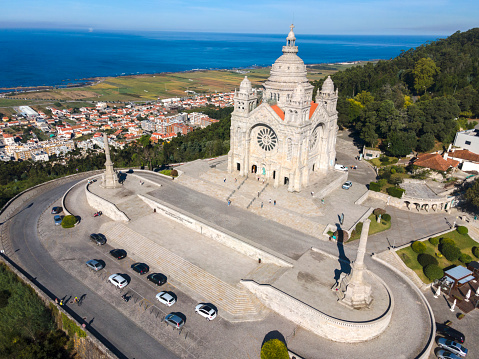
<point>238,166</point>
<point>274,174</point>
<point>254,169</point>
<point>286,180</point>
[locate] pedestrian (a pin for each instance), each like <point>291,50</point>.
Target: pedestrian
<point>312,193</point>
<point>75,300</point>
<point>270,201</point>
<point>322,201</point>
<point>263,180</point>
<point>261,204</point>
<point>61,303</point>
<point>275,202</point>
<point>236,180</point>
<point>224,180</point>
<point>258,194</point>
<point>229,202</point>
<point>56,300</point>
<point>475,217</point>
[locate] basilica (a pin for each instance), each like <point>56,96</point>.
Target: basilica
<point>285,136</point>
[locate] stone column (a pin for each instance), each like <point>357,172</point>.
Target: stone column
<point>109,177</point>
<point>358,292</point>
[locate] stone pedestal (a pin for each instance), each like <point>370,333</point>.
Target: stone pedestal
<point>109,179</point>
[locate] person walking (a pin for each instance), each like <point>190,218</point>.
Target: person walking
<point>224,180</point>
<point>258,194</point>
<point>229,202</point>
<point>270,201</point>
<point>261,204</point>
<point>312,193</point>
<point>274,202</point>
<point>61,302</point>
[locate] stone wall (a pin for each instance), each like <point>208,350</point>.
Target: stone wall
<point>317,322</point>
<point>239,245</point>
<point>108,208</point>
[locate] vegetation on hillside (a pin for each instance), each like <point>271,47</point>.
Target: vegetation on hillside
<point>415,99</point>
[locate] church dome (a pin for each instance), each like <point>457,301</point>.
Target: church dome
<point>328,86</point>
<point>245,85</point>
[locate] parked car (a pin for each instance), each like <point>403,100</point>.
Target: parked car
<point>157,278</point>
<point>444,354</point>
<point>174,320</point>
<point>340,168</point>
<point>98,238</point>
<point>118,280</point>
<point>141,268</point>
<point>118,253</point>
<point>453,334</point>
<point>452,346</point>
<point>57,210</point>
<point>94,264</point>
<point>206,311</point>
<point>166,298</point>
<point>57,219</point>
<point>347,185</point>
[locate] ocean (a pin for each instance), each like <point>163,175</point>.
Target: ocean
<point>56,58</point>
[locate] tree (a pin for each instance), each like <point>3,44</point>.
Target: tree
<point>401,143</point>
<point>424,73</point>
<point>369,135</point>
<point>472,194</point>
<point>426,142</point>
<point>274,349</point>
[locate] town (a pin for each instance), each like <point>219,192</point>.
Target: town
<point>63,130</point>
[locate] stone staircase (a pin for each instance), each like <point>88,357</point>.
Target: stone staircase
<point>266,273</point>
<point>237,302</point>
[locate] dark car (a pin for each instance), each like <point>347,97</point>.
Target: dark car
<point>57,219</point>
<point>157,278</point>
<point>118,253</point>
<point>56,210</point>
<point>452,333</point>
<point>141,268</point>
<point>98,238</point>
<point>174,320</point>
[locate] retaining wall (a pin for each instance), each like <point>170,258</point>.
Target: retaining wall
<point>108,208</point>
<point>239,245</point>
<point>317,322</point>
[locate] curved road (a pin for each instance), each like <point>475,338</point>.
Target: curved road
<point>121,335</point>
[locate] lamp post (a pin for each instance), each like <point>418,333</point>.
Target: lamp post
<point>438,292</point>
<point>453,306</point>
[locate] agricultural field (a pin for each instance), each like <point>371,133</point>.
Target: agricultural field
<point>153,86</point>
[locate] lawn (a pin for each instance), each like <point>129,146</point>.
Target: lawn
<point>374,227</point>
<point>409,257</point>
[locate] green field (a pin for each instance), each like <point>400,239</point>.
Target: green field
<point>142,88</point>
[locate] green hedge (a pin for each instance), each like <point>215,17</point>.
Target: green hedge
<point>433,272</point>
<point>475,251</point>
<point>395,192</point>
<point>434,241</point>
<point>386,217</point>
<point>379,211</point>
<point>451,252</point>
<point>373,186</point>
<point>274,349</point>
<point>425,259</point>
<point>418,247</point>
<point>462,230</point>
<point>69,221</point>
<point>465,258</point>
<point>447,240</point>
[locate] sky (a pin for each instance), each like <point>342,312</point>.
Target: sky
<point>360,17</point>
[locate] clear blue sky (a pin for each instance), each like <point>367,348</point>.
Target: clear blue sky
<point>376,17</point>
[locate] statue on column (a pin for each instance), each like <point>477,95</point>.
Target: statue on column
<point>109,179</point>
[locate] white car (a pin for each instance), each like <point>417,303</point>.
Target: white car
<point>118,281</point>
<point>206,311</point>
<point>166,298</point>
<point>340,168</point>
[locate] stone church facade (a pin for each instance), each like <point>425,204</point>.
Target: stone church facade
<point>285,136</point>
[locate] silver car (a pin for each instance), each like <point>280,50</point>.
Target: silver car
<point>444,354</point>
<point>94,264</point>
<point>452,346</point>
<point>174,320</point>
<point>118,280</point>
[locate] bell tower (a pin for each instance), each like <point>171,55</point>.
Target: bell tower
<point>245,99</point>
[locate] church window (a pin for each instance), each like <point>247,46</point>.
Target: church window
<point>278,97</point>
<point>290,149</point>
<point>267,139</point>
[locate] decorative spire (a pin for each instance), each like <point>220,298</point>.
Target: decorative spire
<point>290,42</point>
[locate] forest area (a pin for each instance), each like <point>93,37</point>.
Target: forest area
<point>415,101</point>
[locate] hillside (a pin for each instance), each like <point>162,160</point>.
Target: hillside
<point>411,102</point>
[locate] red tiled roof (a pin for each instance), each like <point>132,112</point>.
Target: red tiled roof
<point>435,161</point>
<point>278,111</point>
<point>313,108</point>
<point>464,155</point>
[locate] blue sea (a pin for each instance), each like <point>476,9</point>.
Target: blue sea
<point>56,58</point>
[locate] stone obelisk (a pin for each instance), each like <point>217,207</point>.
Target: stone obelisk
<point>109,179</point>
<point>358,292</point>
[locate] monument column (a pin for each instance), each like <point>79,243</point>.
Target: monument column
<point>358,292</point>
<point>109,178</point>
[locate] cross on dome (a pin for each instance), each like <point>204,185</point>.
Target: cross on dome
<point>291,38</point>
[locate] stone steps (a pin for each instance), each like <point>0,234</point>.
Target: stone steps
<point>266,273</point>
<point>233,300</point>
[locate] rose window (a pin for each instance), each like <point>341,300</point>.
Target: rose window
<point>314,138</point>
<point>267,139</point>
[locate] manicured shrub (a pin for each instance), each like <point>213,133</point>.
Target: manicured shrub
<point>386,217</point>
<point>433,272</point>
<point>418,247</point>
<point>447,240</point>
<point>393,170</point>
<point>274,349</point>
<point>450,251</point>
<point>373,186</point>
<point>434,241</point>
<point>425,259</point>
<point>166,172</point>
<point>475,251</point>
<point>462,230</point>
<point>395,192</point>
<point>379,211</point>
<point>400,169</point>
<point>465,258</point>
<point>382,182</point>
<point>174,173</point>
<point>69,221</point>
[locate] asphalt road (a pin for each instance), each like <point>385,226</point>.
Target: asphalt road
<point>121,335</point>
